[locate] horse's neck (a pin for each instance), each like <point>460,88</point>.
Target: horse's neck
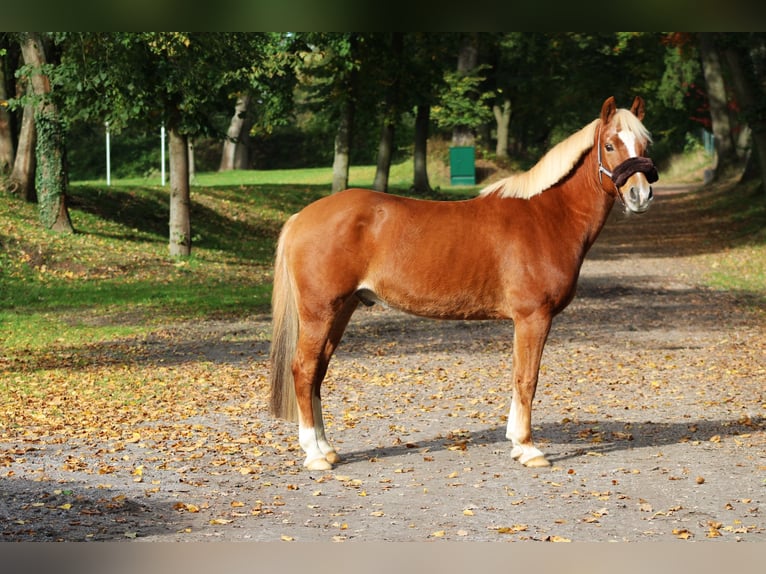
<point>587,204</point>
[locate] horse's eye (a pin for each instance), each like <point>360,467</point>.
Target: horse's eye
<point>609,147</point>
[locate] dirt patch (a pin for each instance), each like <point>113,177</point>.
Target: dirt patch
<point>650,406</point>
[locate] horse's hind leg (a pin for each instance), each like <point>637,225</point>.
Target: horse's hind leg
<point>319,337</point>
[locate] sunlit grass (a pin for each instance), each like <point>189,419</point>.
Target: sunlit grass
<point>741,265</point>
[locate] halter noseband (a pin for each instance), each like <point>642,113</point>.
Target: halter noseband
<point>626,169</point>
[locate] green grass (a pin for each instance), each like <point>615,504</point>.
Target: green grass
<point>741,266</point>
<point>114,277</point>
<point>400,177</point>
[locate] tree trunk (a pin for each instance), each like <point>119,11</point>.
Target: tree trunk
<point>467,60</point>
<point>391,113</point>
<point>180,196</point>
<point>50,175</point>
<point>420,179</point>
<point>385,153</point>
<point>726,156</point>
<point>749,94</point>
<point>234,149</point>
<point>6,133</point>
<point>503,119</point>
<point>192,165</point>
<point>340,164</point>
<point>22,180</point>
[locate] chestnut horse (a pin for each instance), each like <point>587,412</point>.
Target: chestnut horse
<point>514,252</point>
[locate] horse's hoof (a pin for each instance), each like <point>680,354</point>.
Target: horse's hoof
<point>537,462</point>
<point>332,457</point>
<point>318,464</point>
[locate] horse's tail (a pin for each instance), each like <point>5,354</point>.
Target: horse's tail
<point>285,325</point>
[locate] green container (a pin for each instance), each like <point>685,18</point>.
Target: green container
<point>462,165</point>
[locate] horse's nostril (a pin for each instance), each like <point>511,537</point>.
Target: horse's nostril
<point>634,194</point>
<point>651,193</point>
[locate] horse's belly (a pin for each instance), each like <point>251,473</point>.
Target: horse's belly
<point>441,305</point>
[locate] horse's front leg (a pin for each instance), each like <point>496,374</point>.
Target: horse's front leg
<point>529,339</point>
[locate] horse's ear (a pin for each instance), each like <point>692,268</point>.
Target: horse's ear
<point>608,110</point>
<point>638,108</point>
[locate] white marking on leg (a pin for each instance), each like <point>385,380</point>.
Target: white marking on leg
<point>511,431</point>
<point>324,445</point>
<point>526,454</point>
<point>315,459</point>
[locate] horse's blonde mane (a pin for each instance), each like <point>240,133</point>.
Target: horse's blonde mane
<point>559,161</point>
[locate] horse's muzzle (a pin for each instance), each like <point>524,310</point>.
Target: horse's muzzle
<point>639,198</point>
<point>640,194</point>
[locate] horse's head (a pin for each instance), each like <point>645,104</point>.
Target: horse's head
<point>622,142</point>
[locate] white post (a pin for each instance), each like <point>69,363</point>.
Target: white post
<point>108,158</point>
<point>162,139</point>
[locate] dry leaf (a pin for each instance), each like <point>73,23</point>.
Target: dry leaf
<point>186,507</point>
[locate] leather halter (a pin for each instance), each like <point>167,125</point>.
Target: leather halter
<point>627,168</point>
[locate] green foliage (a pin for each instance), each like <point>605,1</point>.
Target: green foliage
<point>464,103</point>
<point>180,79</point>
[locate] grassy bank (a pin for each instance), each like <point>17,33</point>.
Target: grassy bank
<point>741,265</point>
<point>114,277</point>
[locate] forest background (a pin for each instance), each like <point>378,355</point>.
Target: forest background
<point>298,100</point>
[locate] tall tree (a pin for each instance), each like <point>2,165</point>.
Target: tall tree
<point>6,132</point>
<point>420,181</point>
<point>330,72</point>
<point>429,56</point>
<point>235,155</point>
<point>718,98</point>
<point>745,55</point>
<point>178,79</point>
<point>50,173</point>
<point>467,62</point>
<point>391,63</point>
<point>341,162</point>
<point>22,178</point>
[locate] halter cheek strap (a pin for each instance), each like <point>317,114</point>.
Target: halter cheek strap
<point>601,168</point>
